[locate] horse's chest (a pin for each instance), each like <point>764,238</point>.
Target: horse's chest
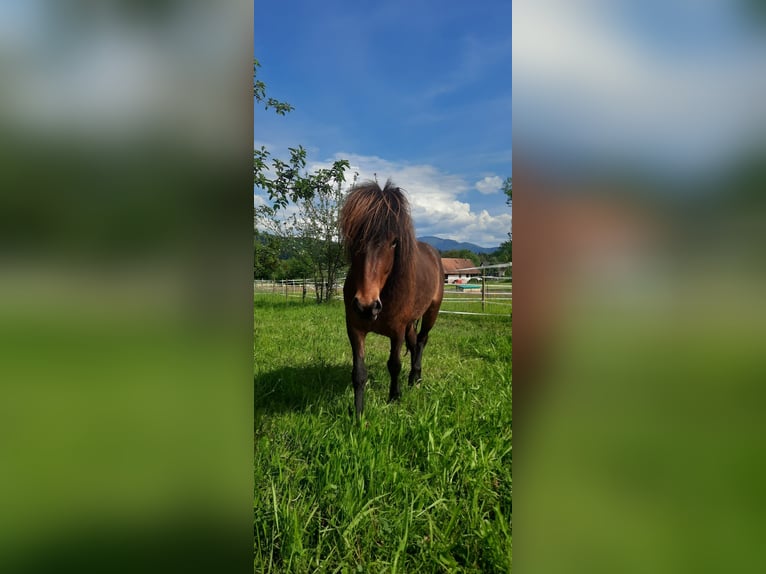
<point>384,328</point>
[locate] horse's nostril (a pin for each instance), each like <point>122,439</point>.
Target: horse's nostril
<point>372,309</point>
<point>358,305</point>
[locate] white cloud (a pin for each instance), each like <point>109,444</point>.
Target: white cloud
<point>489,184</point>
<point>434,203</point>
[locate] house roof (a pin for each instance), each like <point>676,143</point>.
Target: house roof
<point>453,264</point>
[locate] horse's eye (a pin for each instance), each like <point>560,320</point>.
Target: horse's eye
<point>394,243</point>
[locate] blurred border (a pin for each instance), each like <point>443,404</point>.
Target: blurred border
<point>125,286</point>
<point>639,150</point>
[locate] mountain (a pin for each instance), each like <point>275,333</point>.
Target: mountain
<point>449,244</point>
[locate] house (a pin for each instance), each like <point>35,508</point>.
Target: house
<point>455,270</point>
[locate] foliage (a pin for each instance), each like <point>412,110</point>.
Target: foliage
<point>504,253</point>
<point>316,224</point>
<point>505,248</point>
<point>281,180</point>
<point>259,93</point>
<point>312,230</point>
<point>295,268</point>
<point>317,197</point>
<point>265,255</point>
<point>279,258</point>
<point>422,485</point>
<point>508,190</point>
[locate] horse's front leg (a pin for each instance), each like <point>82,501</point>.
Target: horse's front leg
<point>359,371</point>
<point>395,367</point>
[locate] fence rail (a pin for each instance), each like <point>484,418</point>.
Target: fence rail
<point>492,298</point>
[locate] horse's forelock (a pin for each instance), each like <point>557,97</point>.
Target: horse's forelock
<point>370,215</point>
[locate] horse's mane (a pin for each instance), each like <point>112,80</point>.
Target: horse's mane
<point>370,215</point>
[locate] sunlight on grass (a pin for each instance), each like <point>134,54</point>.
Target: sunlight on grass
<point>422,485</point>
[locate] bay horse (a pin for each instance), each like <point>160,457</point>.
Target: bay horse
<point>394,280</point>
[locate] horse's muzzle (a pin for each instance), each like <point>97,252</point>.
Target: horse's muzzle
<point>370,311</point>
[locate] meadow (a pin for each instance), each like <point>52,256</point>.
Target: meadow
<point>421,485</point>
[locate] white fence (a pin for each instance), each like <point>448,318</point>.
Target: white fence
<point>492,297</point>
<point>303,289</point>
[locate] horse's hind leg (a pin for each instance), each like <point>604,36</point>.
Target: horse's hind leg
<point>429,318</point>
<point>411,339</point>
<point>394,368</point>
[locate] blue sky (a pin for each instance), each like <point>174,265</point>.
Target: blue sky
<point>419,91</point>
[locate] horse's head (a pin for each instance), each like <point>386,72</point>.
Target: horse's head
<point>379,239</point>
<point>371,269</point>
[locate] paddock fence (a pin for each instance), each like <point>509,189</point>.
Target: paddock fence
<point>491,297</point>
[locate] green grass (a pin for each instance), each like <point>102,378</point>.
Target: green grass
<point>422,485</point>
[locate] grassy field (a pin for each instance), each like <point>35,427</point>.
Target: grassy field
<point>423,485</point>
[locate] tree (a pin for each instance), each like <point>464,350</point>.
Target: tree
<point>295,267</point>
<point>312,233</point>
<point>281,180</point>
<point>266,246</point>
<point>265,255</point>
<point>316,224</point>
<point>317,196</point>
<point>508,190</point>
<point>505,251</point>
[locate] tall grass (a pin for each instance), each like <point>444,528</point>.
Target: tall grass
<point>422,485</point>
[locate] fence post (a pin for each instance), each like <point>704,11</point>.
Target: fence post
<point>304,291</point>
<point>483,287</point>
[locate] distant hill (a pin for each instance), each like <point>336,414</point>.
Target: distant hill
<point>449,244</point>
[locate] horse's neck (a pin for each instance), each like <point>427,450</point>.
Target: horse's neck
<point>400,283</point>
